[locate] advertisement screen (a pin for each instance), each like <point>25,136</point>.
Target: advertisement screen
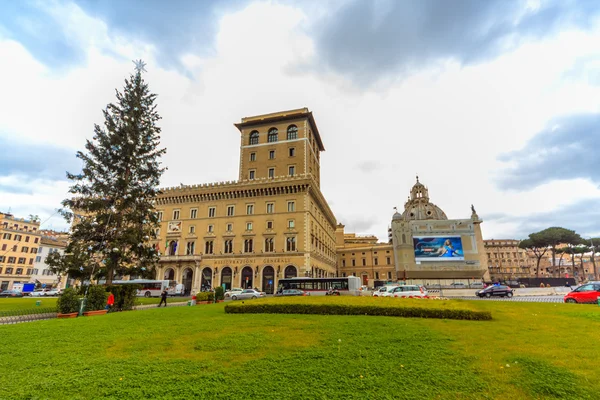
<point>438,248</point>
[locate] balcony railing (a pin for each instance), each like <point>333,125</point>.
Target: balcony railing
<point>195,257</point>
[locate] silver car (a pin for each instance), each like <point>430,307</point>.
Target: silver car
<point>247,294</point>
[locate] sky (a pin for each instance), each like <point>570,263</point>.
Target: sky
<point>493,103</point>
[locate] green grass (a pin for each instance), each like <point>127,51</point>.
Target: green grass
<point>27,303</point>
<point>527,351</point>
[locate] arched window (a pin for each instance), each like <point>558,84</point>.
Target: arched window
<point>292,132</point>
<point>272,136</point>
<point>253,137</point>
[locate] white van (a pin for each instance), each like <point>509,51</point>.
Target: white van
<point>382,291</point>
<point>408,291</point>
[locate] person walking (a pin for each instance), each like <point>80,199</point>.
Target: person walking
<point>163,298</point>
<point>110,301</point>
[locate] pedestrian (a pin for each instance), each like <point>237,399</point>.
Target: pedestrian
<point>163,298</point>
<point>110,302</point>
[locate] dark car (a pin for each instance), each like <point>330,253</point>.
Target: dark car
<point>11,293</point>
<point>496,290</point>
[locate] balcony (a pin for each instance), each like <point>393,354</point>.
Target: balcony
<point>177,258</point>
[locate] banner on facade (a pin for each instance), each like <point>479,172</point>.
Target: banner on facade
<point>438,248</point>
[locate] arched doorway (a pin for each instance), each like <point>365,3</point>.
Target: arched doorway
<point>290,272</point>
<point>226,278</point>
<point>206,279</point>
<point>268,282</point>
<point>169,274</point>
<point>186,279</point>
<point>247,278</point>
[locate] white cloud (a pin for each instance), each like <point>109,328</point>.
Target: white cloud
<point>447,124</point>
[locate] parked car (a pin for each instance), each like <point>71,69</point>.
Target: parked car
<point>232,291</point>
<point>11,293</point>
<point>495,290</point>
<point>586,293</point>
<point>458,285</point>
<point>54,292</point>
<point>292,292</point>
<point>39,292</point>
<point>247,294</point>
<point>383,290</point>
<point>407,291</point>
<point>476,285</point>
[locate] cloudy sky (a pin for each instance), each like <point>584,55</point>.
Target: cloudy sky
<point>493,103</point>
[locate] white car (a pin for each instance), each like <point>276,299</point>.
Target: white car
<point>408,291</point>
<point>54,292</point>
<point>382,291</point>
<point>232,291</point>
<point>247,294</point>
<point>39,293</point>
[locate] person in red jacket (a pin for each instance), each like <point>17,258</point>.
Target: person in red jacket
<point>110,302</point>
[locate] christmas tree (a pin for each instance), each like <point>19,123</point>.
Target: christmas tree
<point>112,208</point>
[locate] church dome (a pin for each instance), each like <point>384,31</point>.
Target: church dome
<point>418,207</point>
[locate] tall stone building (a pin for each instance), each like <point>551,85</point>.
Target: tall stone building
<point>19,241</point>
<point>429,247</point>
<point>272,222</point>
<point>506,261</point>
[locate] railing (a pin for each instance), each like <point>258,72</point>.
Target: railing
<point>181,258</point>
<point>28,315</point>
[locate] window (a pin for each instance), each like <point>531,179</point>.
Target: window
<point>343,274</point>
<point>7,236</point>
<point>271,154</point>
<point>160,215</point>
<point>24,249</point>
<point>269,224</point>
<point>250,209</point>
<point>270,208</point>
<point>389,275</point>
<point>291,170</point>
<point>192,229</point>
<point>272,135</point>
<point>364,262</point>
<point>19,271</point>
<point>253,138</point>
<point>229,227</point>
<point>18,238</point>
<point>248,246</point>
<point>33,250</point>
<point>376,275</point>
<point>212,211</point>
<point>248,226</point>
<point>388,260</point>
<point>291,223</point>
<point>228,246</point>
<point>36,240</point>
<point>230,211</point>
<point>291,206</point>
<point>271,172</point>
<point>376,261</point>
<point>35,271</point>
<point>252,156</point>
<point>26,238</point>
<point>11,260</point>
<point>292,152</point>
<point>210,228</point>
<point>176,214</point>
<point>292,132</point>
<point>252,174</point>
<point>269,245</point>
<point>9,270</point>
<point>194,213</point>
<point>38,259</point>
<point>189,250</point>
<point>209,247</point>
<point>4,247</point>
<point>353,262</point>
<point>21,260</point>
<point>31,261</point>
<point>291,244</point>
<point>343,263</point>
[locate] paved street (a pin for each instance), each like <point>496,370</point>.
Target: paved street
<point>534,299</point>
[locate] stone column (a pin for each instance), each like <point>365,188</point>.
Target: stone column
<point>196,282</point>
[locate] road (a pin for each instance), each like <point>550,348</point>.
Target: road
<point>531,299</point>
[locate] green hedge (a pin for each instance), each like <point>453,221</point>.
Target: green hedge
<point>347,309</point>
<point>205,296</point>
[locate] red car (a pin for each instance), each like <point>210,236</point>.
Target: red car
<point>586,293</point>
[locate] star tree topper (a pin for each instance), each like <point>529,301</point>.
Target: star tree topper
<point>140,66</point>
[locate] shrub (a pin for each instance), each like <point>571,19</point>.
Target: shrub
<point>219,293</point>
<point>353,309</point>
<point>202,296</point>
<point>68,302</point>
<point>211,296</point>
<point>96,298</point>
<point>125,296</point>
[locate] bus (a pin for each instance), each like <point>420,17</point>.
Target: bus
<point>153,288</point>
<point>319,286</point>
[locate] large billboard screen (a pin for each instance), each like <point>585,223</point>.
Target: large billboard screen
<point>438,248</point>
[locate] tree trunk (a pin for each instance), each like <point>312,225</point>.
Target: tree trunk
<point>553,256</point>
<point>537,268</point>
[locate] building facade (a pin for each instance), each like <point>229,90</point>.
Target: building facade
<point>506,261</point>
<point>19,241</point>
<point>429,248</point>
<point>50,242</point>
<point>365,257</point>
<point>273,222</point>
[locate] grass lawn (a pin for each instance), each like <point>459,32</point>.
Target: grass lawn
<point>27,303</point>
<point>528,351</point>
